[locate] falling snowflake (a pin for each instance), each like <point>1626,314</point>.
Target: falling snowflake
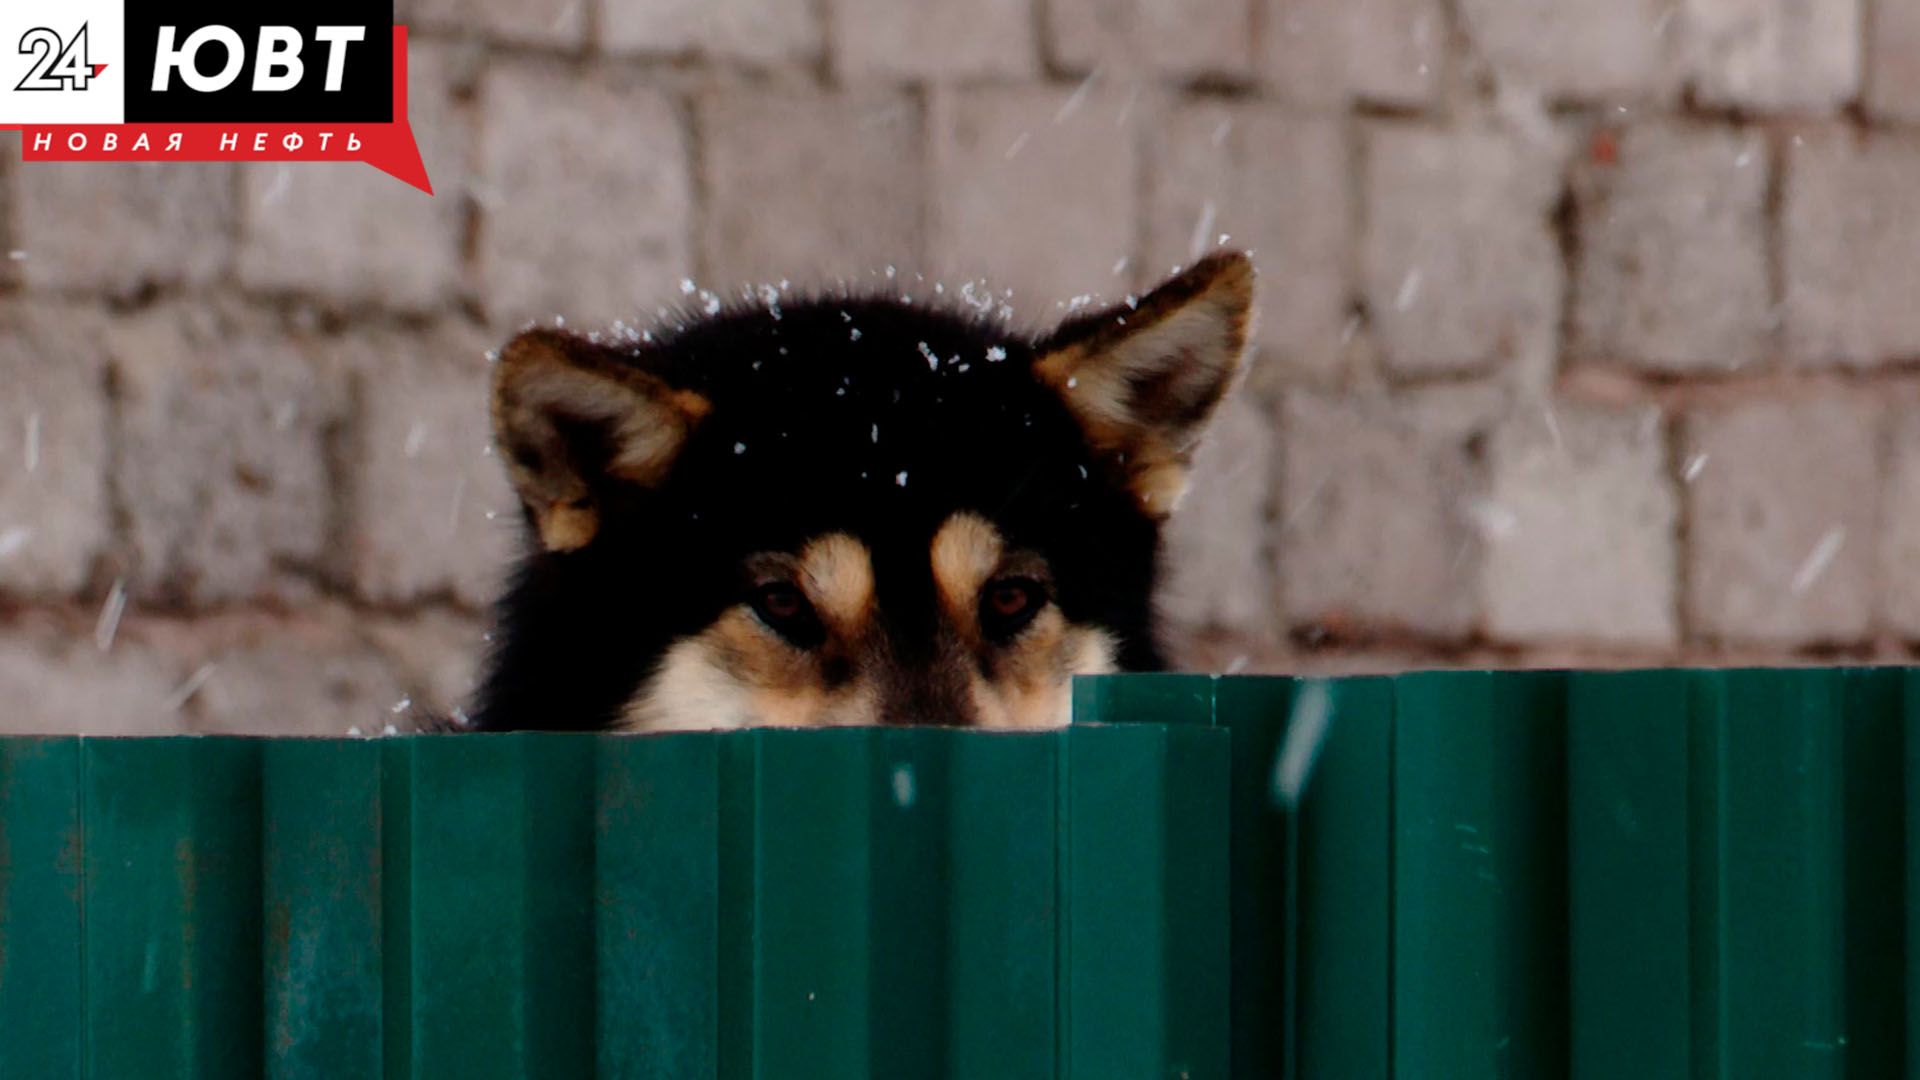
<point>108,625</point>
<point>1201,230</point>
<point>185,691</point>
<point>1076,99</point>
<point>1307,727</point>
<point>1409,291</point>
<point>1818,560</point>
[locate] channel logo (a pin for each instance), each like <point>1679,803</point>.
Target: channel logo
<point>153,80</point>
<point>57,64</point>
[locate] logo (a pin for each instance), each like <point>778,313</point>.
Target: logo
<point>57,64</point>
<point>212,80</point>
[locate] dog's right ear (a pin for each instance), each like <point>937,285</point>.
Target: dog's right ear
<point>1144,380</point>
<point>569,416</point>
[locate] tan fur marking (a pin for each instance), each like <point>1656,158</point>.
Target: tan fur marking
<point>690,405</point>
<point>739,674</point>
<point>566,528</point>
<point>837,575</point>
<point>1159,485</point>
<point>1031,686</point>
<point>966,553</point>
<point>690,691</point>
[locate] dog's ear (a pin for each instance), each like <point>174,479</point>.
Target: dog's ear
<point>1143,380</point>
<point>570,417</point>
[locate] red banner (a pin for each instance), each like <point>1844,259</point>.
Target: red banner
<point>391,148</point>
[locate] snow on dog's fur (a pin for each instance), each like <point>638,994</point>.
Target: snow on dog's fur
<point>851,511</point>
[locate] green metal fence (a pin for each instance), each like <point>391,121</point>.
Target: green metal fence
<point>1678,874</point>
<point>1665,874</point>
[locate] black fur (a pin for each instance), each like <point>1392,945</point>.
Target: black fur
<point>788,452</point>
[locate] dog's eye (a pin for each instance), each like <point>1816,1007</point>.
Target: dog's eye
<point>1007,605</point>
<point>785,610</point>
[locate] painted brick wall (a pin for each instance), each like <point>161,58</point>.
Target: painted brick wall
<point>1589,326</point>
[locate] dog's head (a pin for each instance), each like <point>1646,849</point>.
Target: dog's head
<point>848,511</point>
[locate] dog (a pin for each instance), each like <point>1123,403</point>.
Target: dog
<point>852,511</point>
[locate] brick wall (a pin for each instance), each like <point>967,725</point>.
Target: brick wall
<point>1589,328</point>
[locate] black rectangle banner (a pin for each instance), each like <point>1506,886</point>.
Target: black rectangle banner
<point>280,76</point>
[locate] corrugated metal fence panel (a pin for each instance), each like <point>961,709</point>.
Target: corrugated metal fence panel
<point>753,904</point>
<point>1627,817</point>
<point>1698,875</point>
<point>1687,874</point>
<point>1479,876</point>
<point>42,954</point>
<point>1146,836</point>
<point>322,876</point>
<point>1739,844</point>
<point>171,908</point>
<point>1874,777</point>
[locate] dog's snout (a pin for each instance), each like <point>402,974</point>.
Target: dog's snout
<point>935,692</point>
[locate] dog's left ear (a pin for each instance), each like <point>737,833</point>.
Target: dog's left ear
<point>1144,380</point>
<point>572,417</point>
